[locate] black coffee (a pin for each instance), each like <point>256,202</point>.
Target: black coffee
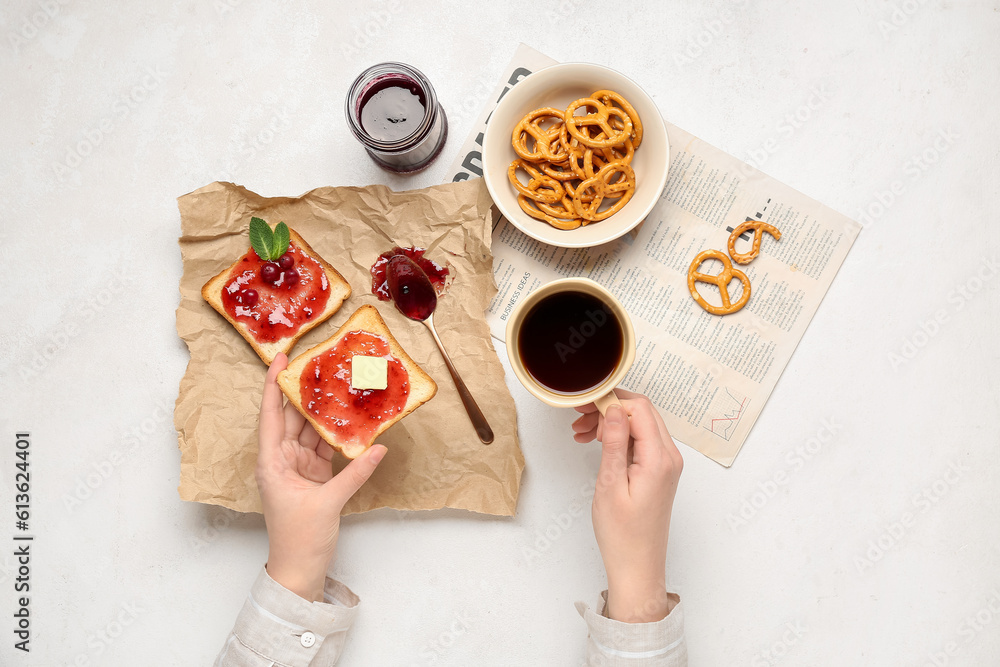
<point>570,342</point>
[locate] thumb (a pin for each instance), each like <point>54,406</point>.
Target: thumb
<point>347,482</point>
<point>614,447</point>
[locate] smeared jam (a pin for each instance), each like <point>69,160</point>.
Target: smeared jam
<point>437,274</point>
<point>282,307</point>
<point>353,414</point>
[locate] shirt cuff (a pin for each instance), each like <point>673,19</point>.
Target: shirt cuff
<point>280,626</point>
<point>618,643</point>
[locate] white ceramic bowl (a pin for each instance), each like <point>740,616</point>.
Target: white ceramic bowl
<point>557,86</point>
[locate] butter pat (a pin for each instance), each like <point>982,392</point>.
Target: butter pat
<point>369,372</point>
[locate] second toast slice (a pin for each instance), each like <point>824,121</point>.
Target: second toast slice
<point>318,383</point>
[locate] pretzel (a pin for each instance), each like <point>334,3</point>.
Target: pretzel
<point>557,150</point>
<point>606,97</point>
<point>561,171</point>
<point>563,209</point>
<point>585,161</point>
<point>528,206</point>
<point>603,187</point>
<point>578,158</point>
<point>612,154</point>
<point>721,281</point>
<point>576,154</point>
<point>564,215</point>
<point>587,172</point>
<point>599,118</point>
<point>577,164</point>
<point>572,144</point>
<point>572,194</point>
<point>758,228</point>
<point>530,125</point>
<point>539,188</point>
<point>582,163</point>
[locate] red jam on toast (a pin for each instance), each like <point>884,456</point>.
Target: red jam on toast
<point>354,414</point>
<point>274,299</point>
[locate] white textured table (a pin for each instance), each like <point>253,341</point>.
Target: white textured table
<point>860,524</point>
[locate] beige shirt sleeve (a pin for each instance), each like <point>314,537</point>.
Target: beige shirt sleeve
<point>612,643</point>
<point>277,627</point>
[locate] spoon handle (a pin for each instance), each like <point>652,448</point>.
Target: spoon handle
<point>482,427</point>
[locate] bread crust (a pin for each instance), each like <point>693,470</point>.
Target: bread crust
<point>366,318</point>
<point>340,290</point>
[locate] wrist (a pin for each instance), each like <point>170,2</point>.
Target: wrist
<point>637,601</point>
<point>306,577</point>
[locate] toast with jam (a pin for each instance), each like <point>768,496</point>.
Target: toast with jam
<point>279,290</point>
<point>319,383</point>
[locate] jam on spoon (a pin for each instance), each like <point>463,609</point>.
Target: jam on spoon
<point>437,273</point>
<point>415,297</point>
<point>410,288</point>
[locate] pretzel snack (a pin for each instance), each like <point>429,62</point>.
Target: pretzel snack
<point>539,188</point>
<point>531,126</point>
<point>610,98</point>
<point>529,207</point>
<point>602,187</point>
<point>579,166</point>
<point>721,281</point>
<point>758,228</point>
<point>599,118</point>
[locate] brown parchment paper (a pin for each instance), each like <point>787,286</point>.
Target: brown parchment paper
<point>435,459</point>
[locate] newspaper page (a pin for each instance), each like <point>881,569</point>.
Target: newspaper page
<point>709,376</point>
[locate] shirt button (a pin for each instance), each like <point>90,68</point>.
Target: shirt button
<point>307,639</point>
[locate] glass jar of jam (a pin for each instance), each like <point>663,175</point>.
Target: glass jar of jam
<point>393,111</point>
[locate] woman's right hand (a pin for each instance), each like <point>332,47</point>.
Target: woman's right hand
<point>633,499</point>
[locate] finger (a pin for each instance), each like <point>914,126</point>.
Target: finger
<point>589,407</point>
<point>664,433</point>
<point>668,443</point>
<point>324,451</point>
<point>587,422</point>
<point>272,418</point>
<point>313,467</point>
<point>589,436</point>
<point>614,448</point>
<point>625,393</point>
<point>645,431</point>
<point>294,421</point>
<point>350,479</point>
<point>308,437</point>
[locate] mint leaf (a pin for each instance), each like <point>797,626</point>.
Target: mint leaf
<point>261,238</point>
<point>281,240</point>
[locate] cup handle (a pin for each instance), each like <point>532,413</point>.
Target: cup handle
<point>606,401</point>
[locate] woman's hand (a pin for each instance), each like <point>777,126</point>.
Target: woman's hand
<point>636,483</point>
<point>302,499</point>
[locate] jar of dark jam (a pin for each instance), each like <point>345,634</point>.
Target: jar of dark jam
<point>393,111</point>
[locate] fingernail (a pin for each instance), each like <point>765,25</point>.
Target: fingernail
<point>615,414</point>
<point>378,451</point>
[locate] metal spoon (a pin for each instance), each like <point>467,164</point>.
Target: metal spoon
<point>415,297</point>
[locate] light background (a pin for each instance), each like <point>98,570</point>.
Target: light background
<point>166,97</point>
